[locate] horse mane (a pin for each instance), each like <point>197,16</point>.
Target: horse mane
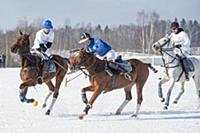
<point>27,59</point>
<point>99,65</point>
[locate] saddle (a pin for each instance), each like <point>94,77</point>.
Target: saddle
<point>187,64</point>
<point>119,67</point>
<point>45,65</point>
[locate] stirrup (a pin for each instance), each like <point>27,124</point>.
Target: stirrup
<point>128,76</point>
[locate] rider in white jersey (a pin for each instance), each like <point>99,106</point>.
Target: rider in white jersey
<point>182,45</point>
<point>43,41</point>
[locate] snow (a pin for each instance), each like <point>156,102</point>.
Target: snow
<point>17,117</point>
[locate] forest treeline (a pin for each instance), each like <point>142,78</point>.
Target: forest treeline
<point>136,37</point>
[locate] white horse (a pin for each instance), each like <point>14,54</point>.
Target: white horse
<point>173,70</point>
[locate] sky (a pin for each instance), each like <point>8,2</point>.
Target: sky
<point>104,12</point>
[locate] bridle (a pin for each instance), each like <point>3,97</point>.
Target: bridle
<point>165,51</point>
<point>81,65</point>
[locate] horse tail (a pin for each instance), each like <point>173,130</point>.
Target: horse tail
<point>151,67</point>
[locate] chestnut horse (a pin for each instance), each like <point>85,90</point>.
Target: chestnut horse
<point>30,69</point>
<point>102,82</point>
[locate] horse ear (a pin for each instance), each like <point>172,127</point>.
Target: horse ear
<point>20,32</point>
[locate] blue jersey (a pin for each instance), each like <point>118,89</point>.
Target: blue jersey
<point>98,47</point>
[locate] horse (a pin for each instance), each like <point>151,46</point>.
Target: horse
<point>101,81</point>
<point>173,70</point>
<point>30,69</point>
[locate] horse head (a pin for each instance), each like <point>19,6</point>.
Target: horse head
<point>81,59</point>
<point>157,46</point>
<point>22,44</point>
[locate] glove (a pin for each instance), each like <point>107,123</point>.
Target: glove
<point>43,47</point>
<point>49,44</point>
<point>178,46</point>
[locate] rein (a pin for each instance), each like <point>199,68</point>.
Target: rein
<point>27,57</point>
<point>90,66</point>
<point>165,65</point>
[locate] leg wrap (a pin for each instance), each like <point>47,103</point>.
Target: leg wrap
<point>84,98</point>
<point>88,106</point>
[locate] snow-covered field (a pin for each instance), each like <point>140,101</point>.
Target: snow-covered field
<point>17,117</point>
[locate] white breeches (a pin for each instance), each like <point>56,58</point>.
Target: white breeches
<point>110,56</point>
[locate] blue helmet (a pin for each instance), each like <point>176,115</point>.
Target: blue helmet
<point>47,24</point>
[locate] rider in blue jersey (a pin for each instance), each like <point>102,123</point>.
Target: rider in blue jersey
<point>103,51</point>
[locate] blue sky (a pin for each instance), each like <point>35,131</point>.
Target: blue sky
<point>104,12</point>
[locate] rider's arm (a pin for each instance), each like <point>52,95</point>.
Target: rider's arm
<point>38,40</point>
<point>43,47</point>
<point>50,39</point>
<point>49,44</point>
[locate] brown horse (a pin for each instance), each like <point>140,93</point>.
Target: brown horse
<point>102,82</point>
<point>30,69</point>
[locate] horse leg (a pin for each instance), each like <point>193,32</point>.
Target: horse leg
<point>180,93</point>
<point>59,78</point>
<point>128,95</point>
<point>96,93</point>
<point>197,84</point>
<point>83,93</point>
<point>51,89</point>
<point>172,82</point>
<point>23,88</point>
<point>139,88</point>
<point>160,93</point>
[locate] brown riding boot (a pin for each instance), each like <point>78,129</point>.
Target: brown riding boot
<point>40,74</point>
<point>43,70</point>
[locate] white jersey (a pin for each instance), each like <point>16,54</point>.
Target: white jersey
<point>42,37</point>
<point>181,39</point>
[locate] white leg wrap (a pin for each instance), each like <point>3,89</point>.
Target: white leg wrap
<point>137,109</point>
<point>52,103</point>
<point>47,97</point>
<point>121,107</point>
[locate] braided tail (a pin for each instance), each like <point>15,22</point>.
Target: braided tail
<point>151,67</point>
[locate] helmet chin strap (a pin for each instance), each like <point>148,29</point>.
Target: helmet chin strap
<point>46,31</point>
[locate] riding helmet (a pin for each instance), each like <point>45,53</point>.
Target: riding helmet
<point>84,37</point>
<point>174,25</point>
<point>47,24</point>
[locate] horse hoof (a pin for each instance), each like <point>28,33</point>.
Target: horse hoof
<point>175,102</point>
<point>134,115</point>
<point>162,100</point>
<point>48,112</point>
<point>81,116</point>
<point>44,105</point>
<point>118,113</point>
<point>165,107</point>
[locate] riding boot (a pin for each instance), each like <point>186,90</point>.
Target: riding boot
<point>40,74</point>
<point>119,68</point>
<point>187,76</point>
<point>126,74</point>
<point>185,68</point>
